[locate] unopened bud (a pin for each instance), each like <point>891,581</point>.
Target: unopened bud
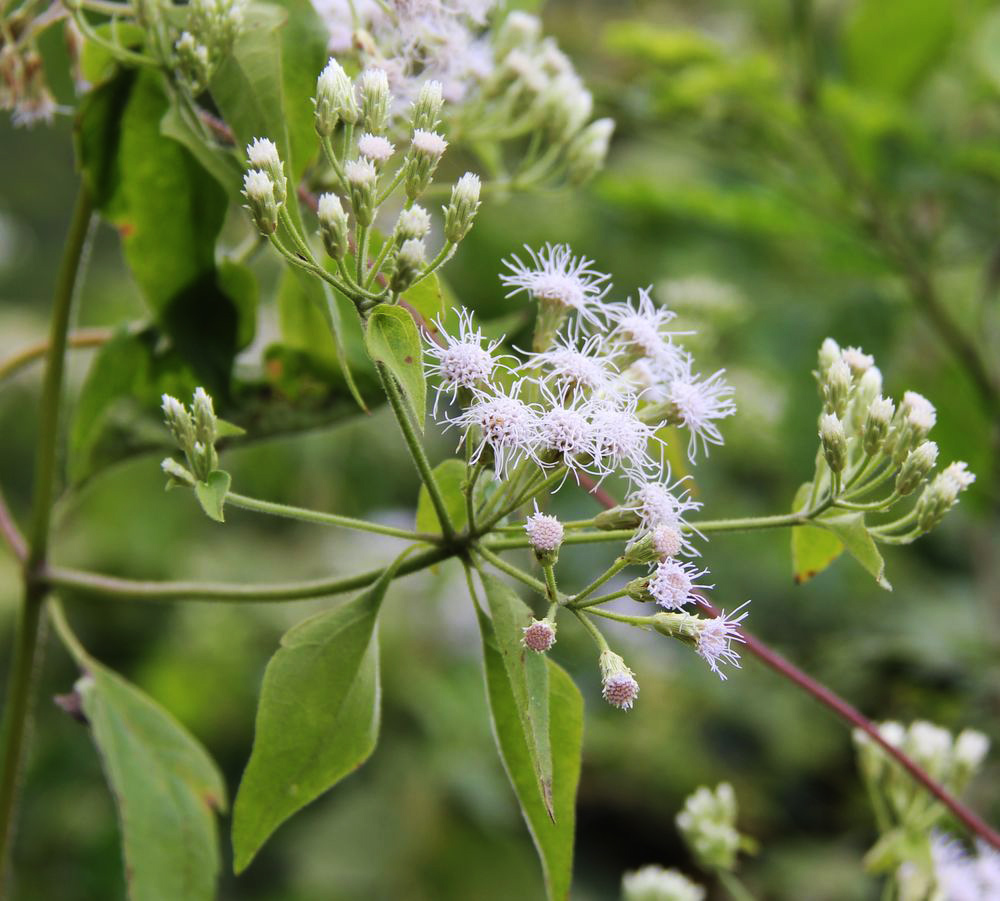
<point>588,151</point>
<point>857,360</point>
<point>831,433</point>
<point>460,213</point>
<point>375,100</point>
<point>413,222</point>
<point>205,427</point>
<point>876,426</point>
<point>829,353</point>
<point>362,179</point>
<point>619,687</point>
<point>334,99</point>
<point>259,192</point>
<point>638,590</point>
<point>970,750</point>
<point>539,636</point>
<point>918,463</point>
<point>426,151</point>
<point>545,533</point>
<point>176,474</point>
<point>332,225</point>
<point>836,383</point>
<point>410,260</point>
<point>262,154</point>
<point>869,386</point>
<point>179,421</point>
<point>193,62</point>
<point>915,418</point>
<point>618,518</point>
<point>942,494</point>
<point>518,31</point>
<point>427,107</point>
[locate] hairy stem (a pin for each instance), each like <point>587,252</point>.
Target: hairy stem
<point>89,337</point>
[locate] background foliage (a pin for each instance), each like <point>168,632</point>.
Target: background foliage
<point>718,173</point>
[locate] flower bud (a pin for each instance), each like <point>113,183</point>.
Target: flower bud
<point>942,494</point>
<point>829,353</point>
<point>654,883</point>
<point>857,360</point>
<point>618,518</point>
<point>216,23</point>
<point>518,31</point>
<point>664,542</point>
<point>332,225</point>
<point>708,826</point>
<point>375,148</point>
<point>334,99</point>
<point>179,421</point>
<point>831,433</point>
<point>262,154</point>
<point>362,179</point>
<point>375,100</point>
<point>193,62</point>
<point>914,419</point>
<point>413,222</point>
<point>410,260</point>
<point>259,192</point>
<point>970,750</point>
<point>869,386</point>
<point>918,463</point>
<point>876,426</point>
<point>427,107</point>
<point>205,426</point>
<point>545,533</point>
<point>638,590</point>
<point>176,474</point>
<point>460,213</point>
<point>426,151</point>
<point>588,151</point>
<point>619,687</point>
<point>567,105</point>
<point>539,636</point>
<point>836,384</point>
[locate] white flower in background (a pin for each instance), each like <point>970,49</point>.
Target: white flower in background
<point>654,883</point>
<point>555,275</point>
<point>961,876</point>
<point>574,370</point>
<point>508,427</point>
<point>673,584</point>
<point>698,402</point>
<point>716,636</point>
<point>462,362</point>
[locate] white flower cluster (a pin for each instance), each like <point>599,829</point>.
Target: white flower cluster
<point>708,825</point>
<point>961,876</point>
<point>502,82</point>
<point>654,883</point>
<point>603,378</point>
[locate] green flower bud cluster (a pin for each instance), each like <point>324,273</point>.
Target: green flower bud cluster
<point>867,441</point>
<point>355,119</point>
<point>212,29</point>
<point>707,824</point>
<point>907,813</point>
<point>195,430</point>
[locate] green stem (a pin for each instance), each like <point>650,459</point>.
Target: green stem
<point>84,338</point>
<point>595,633</point>
<point>610,572</point>
<point>470,490</point>
<point>550,583</point>
<point>27,637</point>
<point>600,599</point>
<point>131,589</point>
<point>416,450</point>
<point>325,519</point>
<point>514,572</point>
<point>737,891</point>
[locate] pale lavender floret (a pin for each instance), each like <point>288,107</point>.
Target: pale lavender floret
<point>715,639</point>
<point>556,275</point>
<point>673,584</point>
<point>622,440</point>
<point>462,361</point>
<point>545,532</point>
<point>698,403</point>
<point>640,327</point>
<point>539,636</point>
<point>573,369</point>
<point>661,503</point>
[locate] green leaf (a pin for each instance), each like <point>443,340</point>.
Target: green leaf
<point>528,677</point>
<point>553,838</point>
<point>427,298</point>
<point>851,530</point>
<point>392,339</point>
<point>450,477</point>
<point>169,212</point>
<point>813,549</point>
<point>165,786</point>
<point>212,493</point>
<point>317,720</point>
<point>224,167</point>
<point>987,47</point>
<point>917,31</point>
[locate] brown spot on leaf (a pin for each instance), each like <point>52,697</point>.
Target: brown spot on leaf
<point>408,359</point>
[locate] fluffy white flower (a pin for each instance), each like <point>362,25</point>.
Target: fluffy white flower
<point>508,426</point>
<point>556,275</point>
<point>640,327</point>
<point>653,883</point>
<point>698,403</point>
<point>673,583</point>
<point>429,143</point>
<point>660,503</point>
<point>574,370</point>
<point>375,148</point>
<point>622,440</point>
<point>263,154</point>
<point>462,361</point>
<point>716,636</point>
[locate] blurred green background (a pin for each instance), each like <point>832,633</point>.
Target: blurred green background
<point>721,193</point>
